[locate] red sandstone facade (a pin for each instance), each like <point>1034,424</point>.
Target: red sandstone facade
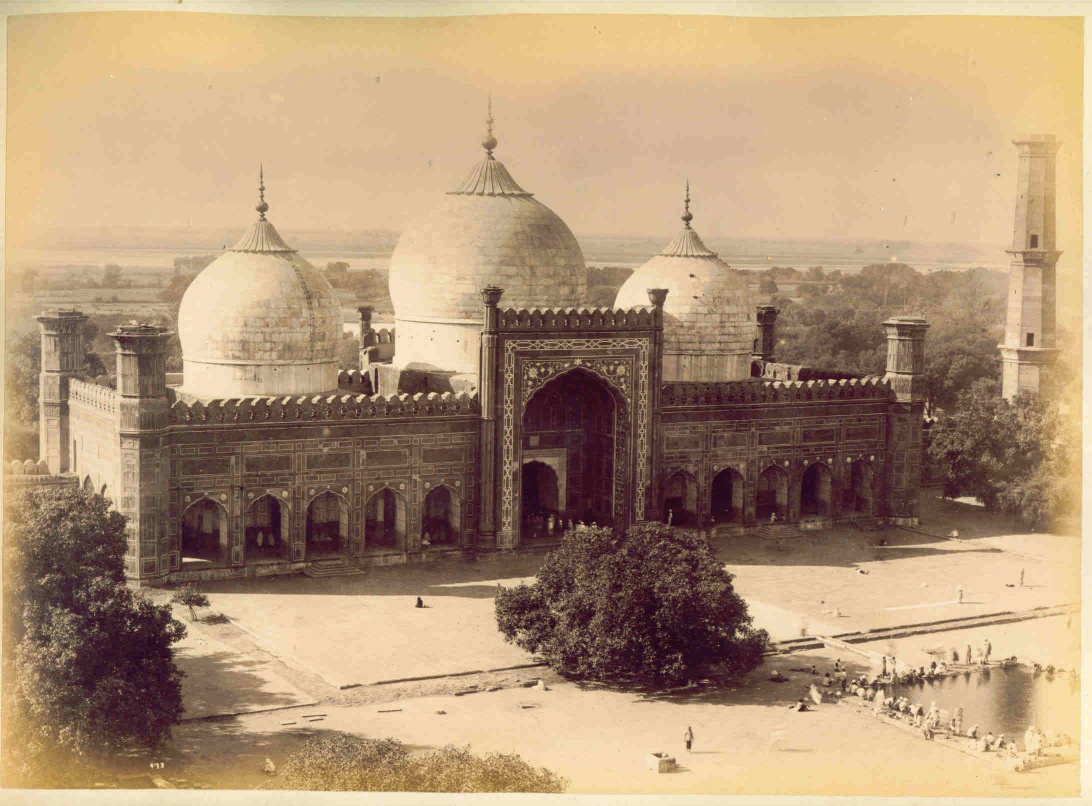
<point>570,421</point>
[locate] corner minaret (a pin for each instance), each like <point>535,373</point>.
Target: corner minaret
<point>1028,352</point>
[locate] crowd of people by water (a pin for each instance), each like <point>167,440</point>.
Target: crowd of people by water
<point>931,721</point>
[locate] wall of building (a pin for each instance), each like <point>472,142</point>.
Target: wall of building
<point>750,426</point>
<point>296,450</point>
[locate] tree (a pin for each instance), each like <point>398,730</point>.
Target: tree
<point>88,667</point>
<point>191,596</point>
<point>653,605</point>
<point>343,762</point>
<point>337,273</point>
<point>111,276</point>
<point>176,288</point>
<point>1017,456</point>
<point>767,285</point>
<point>348,352</point>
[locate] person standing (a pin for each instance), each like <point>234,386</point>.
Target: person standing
<point>1021,577</point>
<point>689,737</point>
<point>986,650</point>
<point>959,593</point>
<point>969,658</point>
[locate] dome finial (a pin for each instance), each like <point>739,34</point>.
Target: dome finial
<point>686,216</point>
<point>261,207</point>
<point>490,142</point>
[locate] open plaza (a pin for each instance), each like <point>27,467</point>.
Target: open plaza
<point>358,653</point>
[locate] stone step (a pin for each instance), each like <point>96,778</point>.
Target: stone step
<point>333,567</point>
<point>778,531</point>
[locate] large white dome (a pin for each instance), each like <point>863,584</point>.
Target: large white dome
<point>489,231</point>
<point>709,324</point>
<point>259,321</point>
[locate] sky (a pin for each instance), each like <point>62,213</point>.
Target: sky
<point>894,128</point>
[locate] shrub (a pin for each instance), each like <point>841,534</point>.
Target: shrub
<point>344,762</point>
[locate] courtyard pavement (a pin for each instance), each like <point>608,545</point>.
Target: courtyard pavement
<point>365,629</point>
<point>295,637</point>
<point>747,741</point>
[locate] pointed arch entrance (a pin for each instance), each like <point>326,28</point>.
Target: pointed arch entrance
<point>327,526</point>
<point>540,499</point>
<point>385,522</point>
<point>726,497</point>
<point>265,528</point>
<point>205,538</point>
<point>581,416</point>
<point>441,521</point>
<point>815,490</point>
<point>681,499</point>
<point>772,495</point>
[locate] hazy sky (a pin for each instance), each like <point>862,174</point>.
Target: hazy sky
<point>890,128</point>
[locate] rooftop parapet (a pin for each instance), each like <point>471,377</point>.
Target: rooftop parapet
<point>323,408</point>
<point>90,393</point>
<point>356,381</point>
<point>765,392</point>
<point>577,319</point>
<point>27,467</point>
<point>778,371</point>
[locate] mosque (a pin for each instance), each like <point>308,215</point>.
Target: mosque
<point>497,411</point>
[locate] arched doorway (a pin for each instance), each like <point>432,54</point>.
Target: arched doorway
<point>265,530</point>
<point>540,500</point>
<point>858,493</point>
<point>815,491</point>
<point>205,534</point>
<point>385,522</point>
<point>681,499</point>
<point>772,495</point>
<point>726,497</point>
<point>327,526</point>
<point>575,414</point>
<point>441,524</point>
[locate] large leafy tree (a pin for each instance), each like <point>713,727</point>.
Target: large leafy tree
<point>88,668</point>
<point>1017,456</point>
<point>652,605</point>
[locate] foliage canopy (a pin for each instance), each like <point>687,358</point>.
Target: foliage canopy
<point>345,762</point>
<point>1019,456</point>
<point>88,665</point>
<point>653,605</point>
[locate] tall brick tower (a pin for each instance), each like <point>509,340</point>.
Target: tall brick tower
<point>62,360</point>
<point>1028,352</point>
<point>141,421</point>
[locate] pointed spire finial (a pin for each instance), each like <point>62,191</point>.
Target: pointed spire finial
<point>261,207</point>
<point>686,216</point>
<point>490,142</point>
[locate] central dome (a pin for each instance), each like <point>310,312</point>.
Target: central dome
<point>488,231</point>
<point>259,321</point>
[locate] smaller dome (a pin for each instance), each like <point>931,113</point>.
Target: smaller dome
<point>259,321</point>
<point>709,326</point>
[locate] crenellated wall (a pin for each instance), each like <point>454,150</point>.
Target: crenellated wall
<point>682,395</point>
<point>322,408</point>
<point>513,320</point>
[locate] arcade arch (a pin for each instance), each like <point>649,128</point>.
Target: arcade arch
<point>815,490</point>
<point>681,499</point>
<point>772,495</point>
<point>385,522</point>
<point>726,497</point>
<point>205,534</point>
<point>266,529</point>
<point>441,521</point>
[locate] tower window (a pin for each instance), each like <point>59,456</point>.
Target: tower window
<point>1034,242</point>
<point>1031,340</point>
